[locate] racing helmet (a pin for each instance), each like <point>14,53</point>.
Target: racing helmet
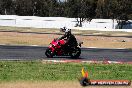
<point>68,31</point>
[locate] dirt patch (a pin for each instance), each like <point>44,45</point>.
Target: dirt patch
<point>16,38</point>
<point>52,85</point>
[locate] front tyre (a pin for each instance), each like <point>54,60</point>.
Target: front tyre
<point>75,53</point>
<point>49,53</point>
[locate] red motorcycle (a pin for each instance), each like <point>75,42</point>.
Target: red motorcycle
<point>56,49</point>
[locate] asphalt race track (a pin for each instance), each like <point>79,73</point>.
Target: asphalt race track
<point>37,52</point>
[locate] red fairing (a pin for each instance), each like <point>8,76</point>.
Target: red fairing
<point>56,44</point>
<point>62,42</point>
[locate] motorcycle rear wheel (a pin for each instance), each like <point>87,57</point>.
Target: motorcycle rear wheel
<point>49,53</point>
<point>75,53</point>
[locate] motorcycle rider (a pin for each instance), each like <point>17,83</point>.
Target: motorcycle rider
<point>70,38</point>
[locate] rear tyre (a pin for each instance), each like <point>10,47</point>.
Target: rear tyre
<point>75,53</point>
<point>49,53</point>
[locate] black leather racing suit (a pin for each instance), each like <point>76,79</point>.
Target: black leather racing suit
<point>71,41</point>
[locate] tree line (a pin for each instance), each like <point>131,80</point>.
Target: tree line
<point>80,9</point>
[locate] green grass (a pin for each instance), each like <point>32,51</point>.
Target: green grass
<point>11,71</point>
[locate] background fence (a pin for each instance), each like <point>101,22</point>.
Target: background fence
<point>56,22</point>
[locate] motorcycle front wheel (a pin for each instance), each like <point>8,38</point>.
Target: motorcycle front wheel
<point>75,53</point>
<point>49,53</point>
